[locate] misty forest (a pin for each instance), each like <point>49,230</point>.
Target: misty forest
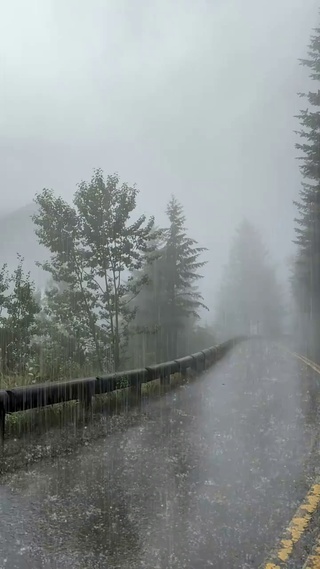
<point>160,284</point>
<point>123,292</point>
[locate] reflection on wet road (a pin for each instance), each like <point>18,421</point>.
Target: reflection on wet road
<point>208,478</point>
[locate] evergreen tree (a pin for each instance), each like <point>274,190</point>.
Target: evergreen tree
<point>306,277</point>
<point>182,266</point>
<point>249,300</point>
<point>145,335</point>
<point>170,300</point>
<point>19,310</point>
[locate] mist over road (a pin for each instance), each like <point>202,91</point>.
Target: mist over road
<point>209,477</point>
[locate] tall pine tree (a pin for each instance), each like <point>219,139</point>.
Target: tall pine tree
<point>145,334</point>
<point>250,298</point>
<point>181,276</point>
<point>169,305</point>
<point>306,278</point>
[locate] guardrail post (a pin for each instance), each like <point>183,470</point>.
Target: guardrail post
<point>205,361</point>
<point>165,380</point>
<point>85,398</point>
<point>135,392</point>
<point>184,374</point>
<point>198,364</point>
<point>2,426</point>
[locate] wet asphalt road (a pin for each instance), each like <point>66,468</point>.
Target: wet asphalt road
<point>208,477</point>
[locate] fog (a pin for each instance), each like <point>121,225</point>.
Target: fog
<point>192,98</point>
<point>187,437</point>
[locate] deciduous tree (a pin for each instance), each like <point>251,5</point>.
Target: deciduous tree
<point>95,245</point>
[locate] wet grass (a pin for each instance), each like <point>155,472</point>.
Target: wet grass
<point>9,382</point>
<point>48,432</point>
<point>45,433</point>
<point>73,413</point>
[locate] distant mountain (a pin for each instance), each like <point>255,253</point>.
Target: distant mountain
<point>17,235</point>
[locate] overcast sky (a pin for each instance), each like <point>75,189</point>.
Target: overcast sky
<point>195,97</point>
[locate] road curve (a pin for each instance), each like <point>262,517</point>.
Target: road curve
<point>209,477</point>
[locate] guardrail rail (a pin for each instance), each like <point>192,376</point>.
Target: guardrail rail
<point>83,390</point>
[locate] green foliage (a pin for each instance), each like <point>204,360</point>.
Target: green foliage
<point>121,292</point>
<point>4,288</point>
<point>169,304</point>
<point>19,308</point>
<point>182,267</point>
<point>95,246</point>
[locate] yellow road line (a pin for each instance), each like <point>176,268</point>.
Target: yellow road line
<point>305,360</point>
<point>296,529</point>
<point>313,561</point>
<point>302,517</point>
<point>308,362</point>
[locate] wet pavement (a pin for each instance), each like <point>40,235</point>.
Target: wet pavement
<point>207,477</point>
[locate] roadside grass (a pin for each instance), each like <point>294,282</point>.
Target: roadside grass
<point>72,413</point>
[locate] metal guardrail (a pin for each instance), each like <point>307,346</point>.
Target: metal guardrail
<point>46,394</point>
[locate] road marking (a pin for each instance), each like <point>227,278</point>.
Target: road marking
<point>302,517</point>
<point>308,362</point>
<point>305,360</point>
<point>295,529</point>
<point>313,561</point>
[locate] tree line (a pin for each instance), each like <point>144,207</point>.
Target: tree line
<point>118,287</point>
<point>305,274</point>
<point>123,292</point>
